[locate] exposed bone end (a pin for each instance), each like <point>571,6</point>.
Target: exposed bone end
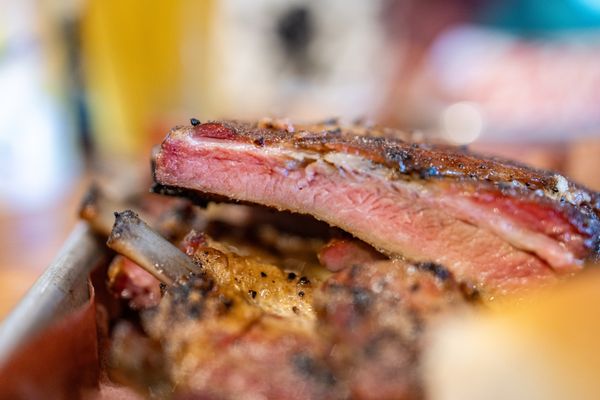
<point>133,238</point>
<point>126,223</point>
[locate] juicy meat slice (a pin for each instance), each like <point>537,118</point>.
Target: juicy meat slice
<point>497,225</point>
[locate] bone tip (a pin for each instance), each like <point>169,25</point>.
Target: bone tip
<point>122,226</point>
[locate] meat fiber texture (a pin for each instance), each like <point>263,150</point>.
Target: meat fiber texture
<point>497,226</point>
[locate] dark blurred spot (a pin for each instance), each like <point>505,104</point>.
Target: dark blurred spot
<point>313,368</point>
<point>438,270</point>
<point>361,299</point>
<point>295,30</point>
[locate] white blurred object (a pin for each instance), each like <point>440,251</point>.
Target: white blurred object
<point>462,122</point>
<point>543,346</point>
<point>593,5</point>
<point>301,59</point>
<point>38,157</point>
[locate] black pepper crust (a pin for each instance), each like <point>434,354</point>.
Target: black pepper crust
<point>408,156</point>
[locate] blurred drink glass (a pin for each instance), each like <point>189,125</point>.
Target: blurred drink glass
<point>133,58</point>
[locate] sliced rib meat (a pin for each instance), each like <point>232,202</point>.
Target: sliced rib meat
<point>495,224</point>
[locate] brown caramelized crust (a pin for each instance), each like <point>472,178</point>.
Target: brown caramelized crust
<point>406,156</point>
<point>375,316</point>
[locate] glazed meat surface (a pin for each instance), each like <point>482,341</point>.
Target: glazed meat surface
<point>496,225</point>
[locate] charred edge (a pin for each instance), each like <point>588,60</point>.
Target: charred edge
<point>190,298</point>
<point>429,172</point>
<point>133,238</point>
<point>198,198</point>
<point>163,288</point>
<point>402,159</point>
<point>304,281</point>
<point>199,282</point>
<point>122,227</point>
<point>405,163</point>
<point>437,270</point>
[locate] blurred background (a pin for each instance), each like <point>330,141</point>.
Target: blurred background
<point>88,86</point>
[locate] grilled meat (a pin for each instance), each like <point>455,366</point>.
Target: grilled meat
<point>263,281</point>
<point>233,314</point>
<point>172,219</point>
<point>365,340</point>
<point>375,317</point>
<point>495,225</point>
<point>260,304</point>
<point>218,343</point>
<point>127,281</point>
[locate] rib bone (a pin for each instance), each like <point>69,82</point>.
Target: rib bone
<point>134,239</point>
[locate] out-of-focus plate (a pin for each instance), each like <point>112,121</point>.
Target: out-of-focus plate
<point>61,289</point>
